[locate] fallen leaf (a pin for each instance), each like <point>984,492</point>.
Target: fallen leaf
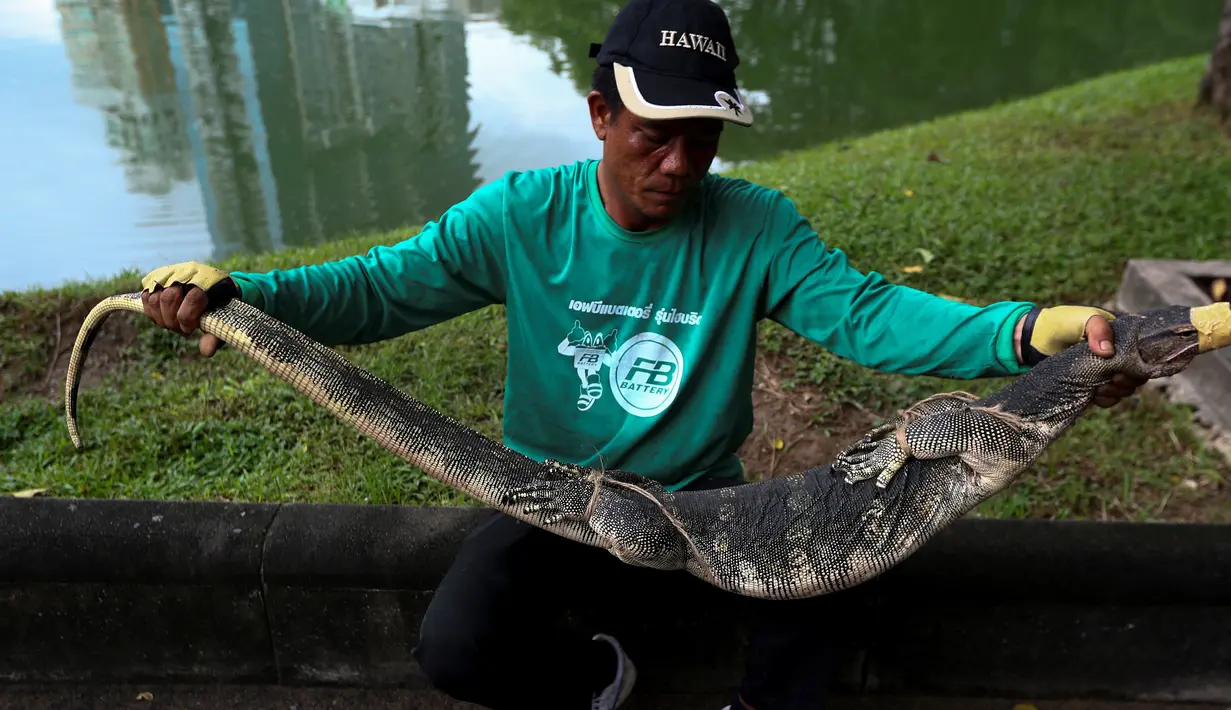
<point>908,192</point>
<point>914,269</point>
<point>29,493</point>
<point>779,443</point>
<point>934,158</point>
<point>925,254</point>
<point>145,695</point>
<point>952,297</point>
<point>1024,706</point>
<point>1218,289</point>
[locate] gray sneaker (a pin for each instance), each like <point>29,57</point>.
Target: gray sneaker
<point>614,695</point>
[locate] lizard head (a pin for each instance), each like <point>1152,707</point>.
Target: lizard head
<point>1165,340</point>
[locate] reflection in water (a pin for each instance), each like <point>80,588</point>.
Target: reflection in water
<point>208,45</point>
<point>122,67</point>
<point>255,124</point>
<point>301,121</point>
<point>318,120</point>
<point>820,70</point>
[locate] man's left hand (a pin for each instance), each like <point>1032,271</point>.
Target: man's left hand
<point>1057,328</point>
<point>1101,341</point>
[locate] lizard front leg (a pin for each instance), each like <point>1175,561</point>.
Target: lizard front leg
<point>623,508</point>
<point>990,441</point>
<point>565,492</point>
<point>881,452</point>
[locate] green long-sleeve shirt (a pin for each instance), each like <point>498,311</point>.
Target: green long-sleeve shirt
<point>635,350</point>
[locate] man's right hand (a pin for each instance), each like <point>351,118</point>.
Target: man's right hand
<point>176,296</point>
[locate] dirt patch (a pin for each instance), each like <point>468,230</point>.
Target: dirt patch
<point>57,334</point>
<point>789,435</point>
<point>797,428</point>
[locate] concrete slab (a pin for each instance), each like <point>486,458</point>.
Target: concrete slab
<point>333,595</point>
<point>1153,283</point>
<point>218,697</point>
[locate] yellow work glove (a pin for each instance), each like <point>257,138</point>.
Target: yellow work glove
<point>180,309</point>
<point>187,272</point>
<point>1047,331</point>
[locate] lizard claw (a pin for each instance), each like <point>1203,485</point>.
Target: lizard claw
<point>857,454</point>
<point>883,463</point>
<point>859,472</point>
<point>565,491</point>
<point>538,498</point>
<point>867,445</point>
<point>533,491</point>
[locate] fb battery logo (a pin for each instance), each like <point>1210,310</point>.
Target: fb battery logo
<point>647,373</point>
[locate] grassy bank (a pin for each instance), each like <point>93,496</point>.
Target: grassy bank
<point>1040,200</point>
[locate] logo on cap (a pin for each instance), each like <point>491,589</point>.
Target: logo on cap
<point>729,102</point>
<point>692,40</point>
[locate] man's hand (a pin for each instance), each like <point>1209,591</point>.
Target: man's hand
<point>176,296</point>
<point>1099,336</point>
<point>1047,331</point>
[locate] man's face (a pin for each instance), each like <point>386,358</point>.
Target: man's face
<point>654,165</point>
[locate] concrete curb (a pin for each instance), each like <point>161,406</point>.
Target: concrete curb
<point>104,591</point>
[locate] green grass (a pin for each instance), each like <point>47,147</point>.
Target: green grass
<point>1045,200</point>
<point>1041,200</point>
<point>170,424</point>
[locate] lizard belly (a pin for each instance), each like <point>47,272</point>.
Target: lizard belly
<point>810,533</point>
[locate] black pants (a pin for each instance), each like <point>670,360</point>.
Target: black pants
<point>486,637</point>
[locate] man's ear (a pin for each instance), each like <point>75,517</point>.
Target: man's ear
<point>600,114</point>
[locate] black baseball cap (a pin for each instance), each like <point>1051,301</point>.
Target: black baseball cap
<point>674,59</point>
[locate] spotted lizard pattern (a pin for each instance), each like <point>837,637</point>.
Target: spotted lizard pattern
<point>814,532</point>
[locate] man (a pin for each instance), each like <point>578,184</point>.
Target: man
<point>633,287</point>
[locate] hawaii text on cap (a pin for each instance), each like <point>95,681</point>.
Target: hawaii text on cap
<point>674,59</point>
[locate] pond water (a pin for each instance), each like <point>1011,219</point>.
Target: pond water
<point>136,133</point>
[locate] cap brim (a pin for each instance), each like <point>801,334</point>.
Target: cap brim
<point>661,97</point>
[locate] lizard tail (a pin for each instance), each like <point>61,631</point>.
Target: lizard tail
<point>418,434</point>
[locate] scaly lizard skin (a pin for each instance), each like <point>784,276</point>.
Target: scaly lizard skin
<point>445,449</point>
<point>840,524</point>
<point>810,533</point>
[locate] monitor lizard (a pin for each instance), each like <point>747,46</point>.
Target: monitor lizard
<point>827,528</point>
